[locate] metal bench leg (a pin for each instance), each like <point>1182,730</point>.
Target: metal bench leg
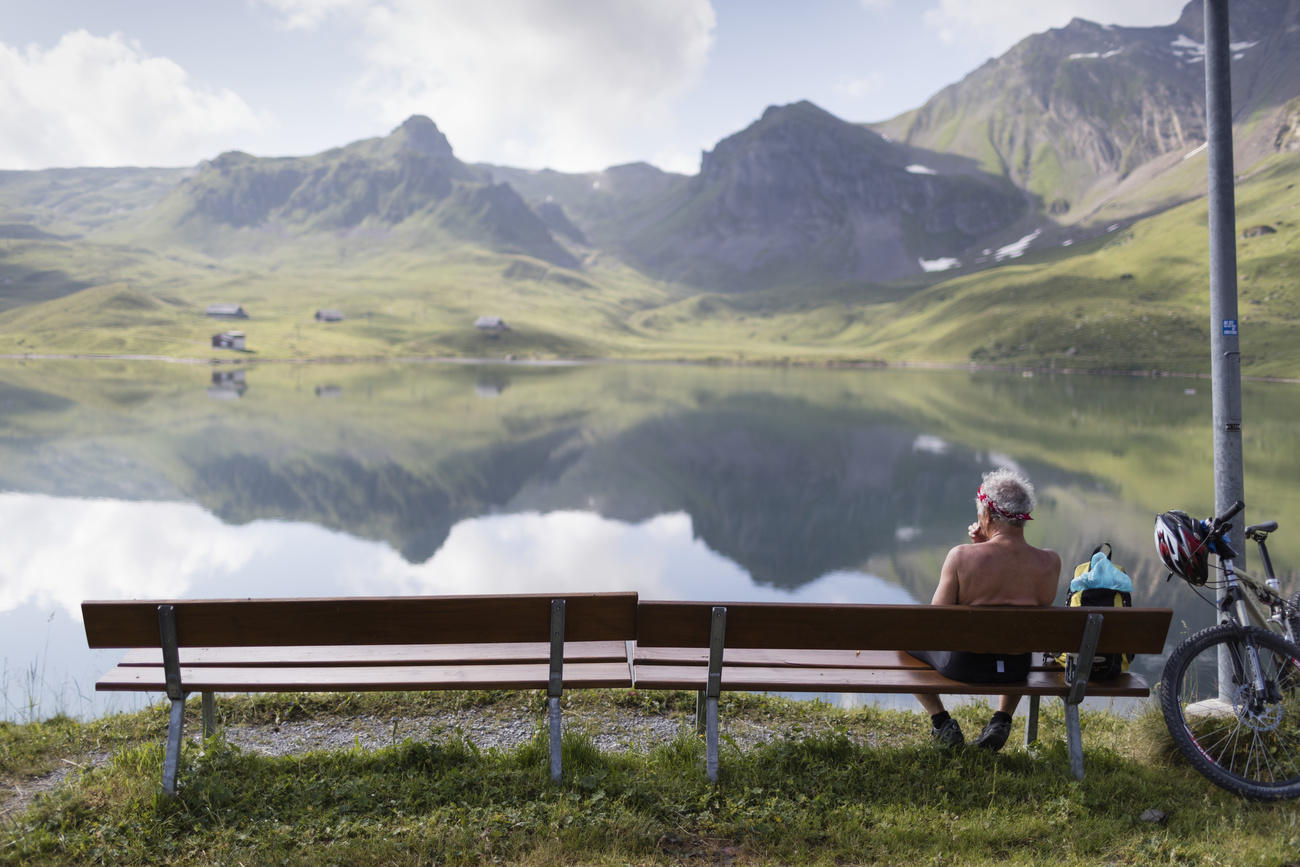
<point>717,639</point>
<point>1077,671</point>
<point>555,686</point>
<point>172,759</point>
<point>1074,739</point>
<point>557,732</point>
<point>175,692</point>
<point>1031,721</point>
<point>711,739</point>
<point>209,714</point>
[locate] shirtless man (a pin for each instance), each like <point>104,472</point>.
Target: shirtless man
<point>1000,568</point>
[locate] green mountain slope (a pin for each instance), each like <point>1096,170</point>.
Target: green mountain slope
<point>1137,299</point>
<point>367,187</point>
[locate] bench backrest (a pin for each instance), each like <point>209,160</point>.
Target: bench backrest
<point>899,627</point>
<point>361,620</point>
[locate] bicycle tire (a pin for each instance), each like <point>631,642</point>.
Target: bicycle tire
<point>1247,747</point>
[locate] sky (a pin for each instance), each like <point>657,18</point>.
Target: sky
<point>573,85</point>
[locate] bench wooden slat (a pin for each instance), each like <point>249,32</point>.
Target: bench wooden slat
<point>780,658</point>
<point>793,658</point>
<point>884,680</point>
<point>380,654</point>
<point>585,675</point>
<point>361,620</point>
<point>891,627</point>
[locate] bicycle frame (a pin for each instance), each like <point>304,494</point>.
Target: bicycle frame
<point>1235,610</point>
<point>1280,612</point>
<point>1266,590</point>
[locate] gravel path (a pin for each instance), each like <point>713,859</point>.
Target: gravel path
<point>486,728</point>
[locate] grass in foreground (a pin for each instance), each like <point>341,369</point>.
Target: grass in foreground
<point>817,793</point>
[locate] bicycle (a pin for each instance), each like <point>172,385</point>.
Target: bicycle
<point>1230,694</point>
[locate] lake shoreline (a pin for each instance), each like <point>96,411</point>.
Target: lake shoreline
<point>1024,370</point>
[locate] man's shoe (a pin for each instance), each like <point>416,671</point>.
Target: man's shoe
<point>949,734</point>
<point>994,735</point>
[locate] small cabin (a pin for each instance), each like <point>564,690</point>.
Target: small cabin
<point>227,311</point>
<point>329,316</point>
<point>228,340</point>
<point>491,323</point>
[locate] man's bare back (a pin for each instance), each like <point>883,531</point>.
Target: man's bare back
<point>1004,570</point>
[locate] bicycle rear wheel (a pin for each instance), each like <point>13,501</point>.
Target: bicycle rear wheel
<point>1293,617</point>
<point>1242,739</point>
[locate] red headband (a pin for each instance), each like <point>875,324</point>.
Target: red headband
<point>1011,516</point>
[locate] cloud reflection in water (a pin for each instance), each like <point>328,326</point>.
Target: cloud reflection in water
<point>61,551</point>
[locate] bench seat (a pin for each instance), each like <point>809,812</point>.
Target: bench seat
<point>386,654</point>
<point>365,678</point>
<point>754,678</point>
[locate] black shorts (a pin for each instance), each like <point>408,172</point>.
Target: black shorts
<point>977,667</point>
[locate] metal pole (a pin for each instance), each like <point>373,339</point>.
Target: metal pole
<point>1225,352</point>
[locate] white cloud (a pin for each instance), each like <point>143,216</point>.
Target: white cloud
<point>996,25</point>
<point>94,100</point>
<point>61,551</point>
<point>566,84</point>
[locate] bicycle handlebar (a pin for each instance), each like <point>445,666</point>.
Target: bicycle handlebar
<point>1218,528</point>
<point>1218,523</point>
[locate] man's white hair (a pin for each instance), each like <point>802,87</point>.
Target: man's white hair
<point>1010,492</point>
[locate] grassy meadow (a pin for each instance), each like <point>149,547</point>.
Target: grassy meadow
<point>833,786</point>
<point>1135,298</point>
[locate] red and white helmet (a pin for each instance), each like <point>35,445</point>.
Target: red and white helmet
<point>1180,542</point>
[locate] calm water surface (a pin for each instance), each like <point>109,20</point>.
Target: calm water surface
<point>152,480</point>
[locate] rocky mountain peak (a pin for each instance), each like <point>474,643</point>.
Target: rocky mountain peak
<point>421,135</point>
<point>228,160</point>
<point>1248,20</point>
<point>788,137</point>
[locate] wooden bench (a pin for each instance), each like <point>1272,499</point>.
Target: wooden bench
<point>551,642</point>
<point>777,647</point>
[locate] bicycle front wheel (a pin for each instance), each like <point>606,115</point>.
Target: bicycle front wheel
<point>1243,737</point>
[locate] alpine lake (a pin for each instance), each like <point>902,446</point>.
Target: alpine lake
<point>154,480</point>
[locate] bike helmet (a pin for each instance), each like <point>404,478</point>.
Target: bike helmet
<point>1180,542</point>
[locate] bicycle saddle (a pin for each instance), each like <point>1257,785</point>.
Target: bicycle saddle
<point>1260,530</point>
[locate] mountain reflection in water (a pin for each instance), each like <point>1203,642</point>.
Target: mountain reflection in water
<point>128,480</point>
